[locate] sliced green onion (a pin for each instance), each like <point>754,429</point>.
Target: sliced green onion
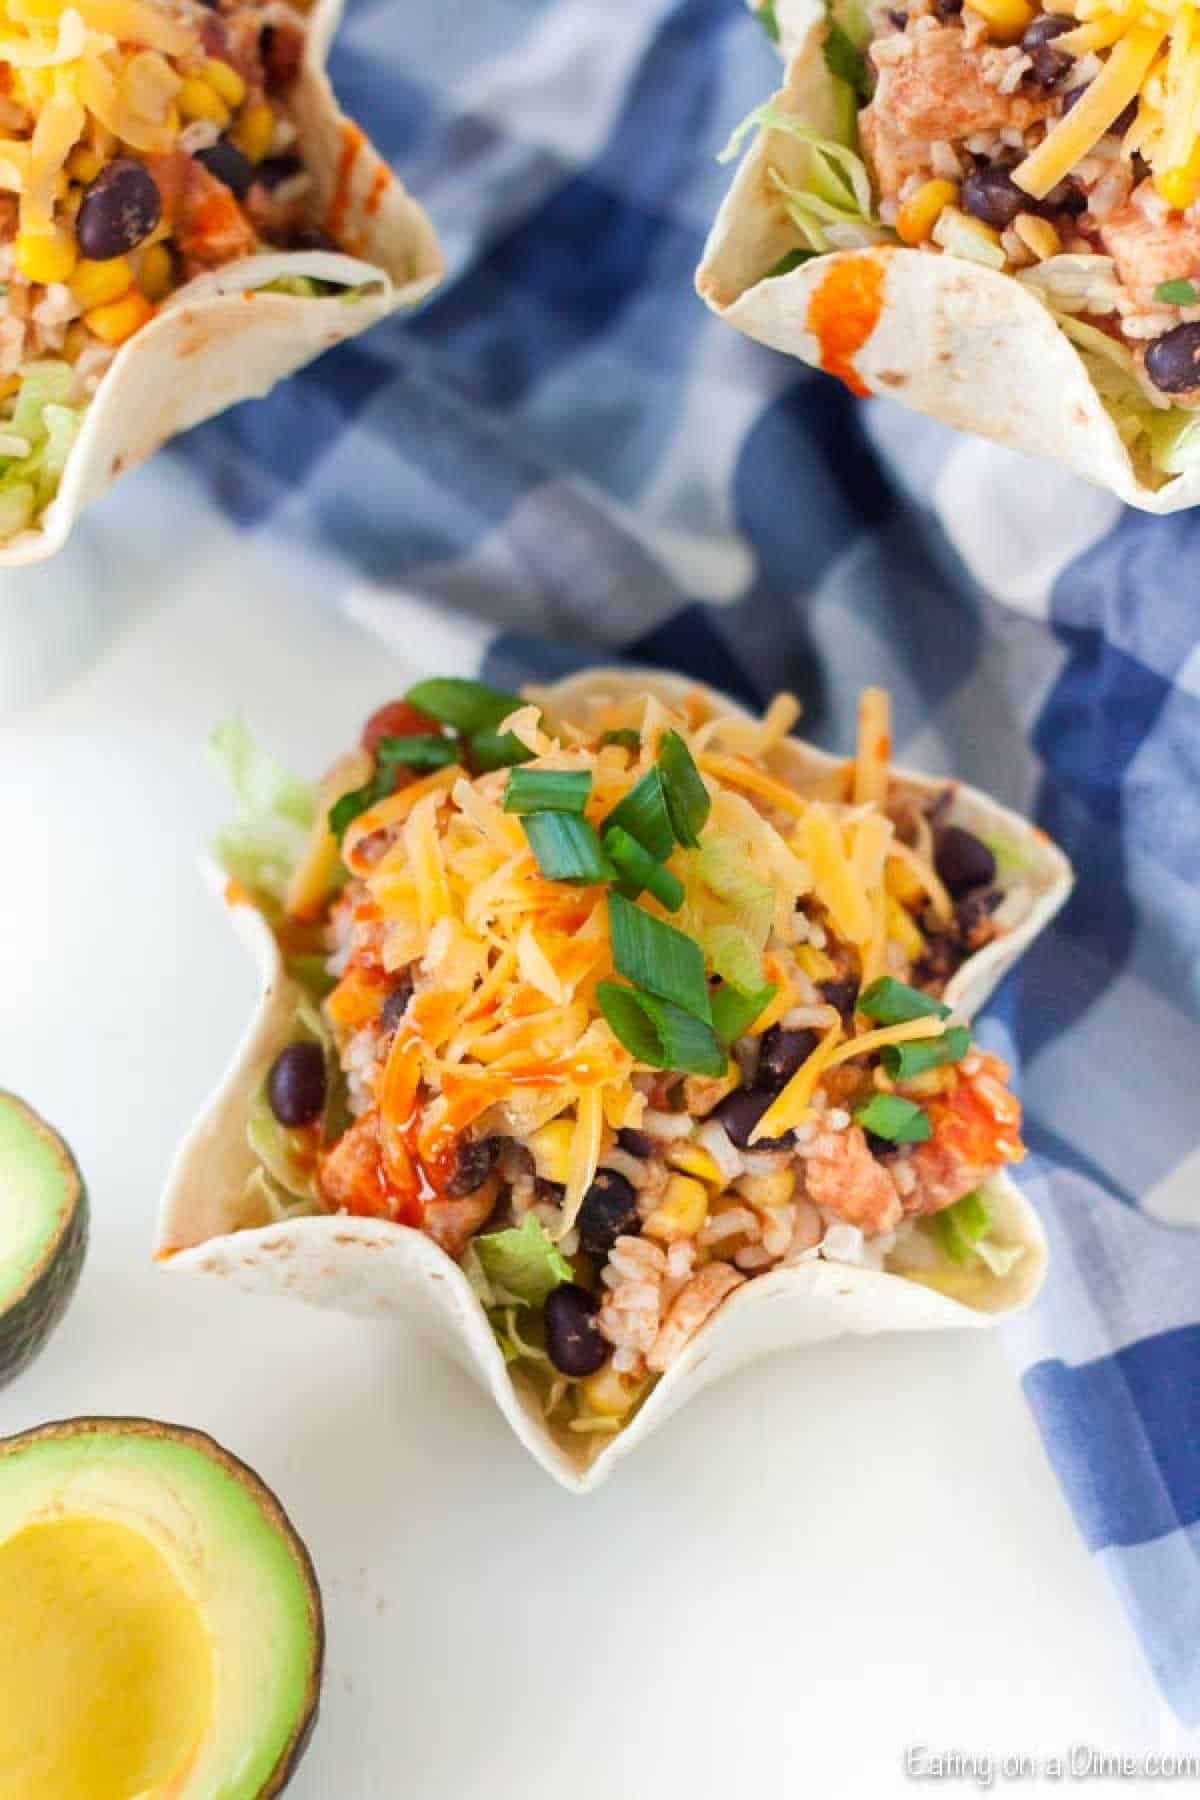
<point>1176,293</point>
<point>640,870</point>
<point>547,790</point>
<point>793,259</point>
<point>891,1116</point>
<point>343,812</point>
<point>566,847</point>
<point>688,803</point>
<point>902,1060</point>
<point>654,956</point>
<point>496,750</point>
<point>417,752</point>
<point>658,1033</point>
<point>643,814</point>
<point>467,705</point>
<point>733,1013</point>
<point>626,736</point>
<point>959,1228</point>
<point>765,14</point>
<point>891,1002</point>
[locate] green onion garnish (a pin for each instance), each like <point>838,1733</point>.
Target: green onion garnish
<point>654,956</point>
<point>891,1116</point>
<point>733,1013</point>
<point>547,790</point>
<point>659,1034</point>
<point>688,804</point>
<point>626,736</point>
<point>343,812</point>
<point>417,752</point>
<point>891,1002</point>
<point>643,814</point>
<point>959,1228</point>
<point>1176,293</point>
<point>901,1060</point>
<point>793,259</point>
<point>566,847</point>
<point>489,750</point>
<point>467,705</point>
<point>639,870</point>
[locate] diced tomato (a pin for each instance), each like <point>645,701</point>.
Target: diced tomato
<point>396,719</point>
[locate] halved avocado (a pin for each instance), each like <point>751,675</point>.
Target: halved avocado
<point>161,1631</point>
<point>43,1233</point>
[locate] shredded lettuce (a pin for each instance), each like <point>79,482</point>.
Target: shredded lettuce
<point>1009,858</point>
<point>723,866</point>
<point>41,420</point>
<point>962,1231</point>
<point>284,1179</point>
<point>832,207</point>
<point>275,811</point>
<point>521,1265</point>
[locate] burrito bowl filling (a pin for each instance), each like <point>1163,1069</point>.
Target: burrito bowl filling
<point>623,1014</point>
<point>1059,144</point>
<point>141,144</point>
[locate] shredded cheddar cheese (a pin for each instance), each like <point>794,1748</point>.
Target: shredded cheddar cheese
<point>1137,34</point>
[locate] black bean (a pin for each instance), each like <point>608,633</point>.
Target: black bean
<point>396,1004</point>
<point>1049,65</point>
<point>962,860</point>
<point>1173,360</point>
<point>879,1146</point>
<point>944,954</point>
<point>310,237</point>
<point>276,169</point>
<point>840,994</point>
<point>992,195</point>
<point>476,1160</point>
<point>609,1211</point>
<point>973,917</point>
<point>899,19</point>
<point>781,1054</point>
<point>573,1341</point>
<point>1065,196</point>
<point>740,1112</point>
<point>636,1143</point>
<point>947,9</point>
<point>297,1084</point>
<point>118,210</point>
<point>228,164</point>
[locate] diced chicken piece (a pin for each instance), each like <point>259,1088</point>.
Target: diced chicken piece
<point>891,157</point>
<point>212,228</point>
<point>1148,246</point>
<point>842,1176</point>
<point>976,1130</point>
<point>692,1306</point>
<point>932,87</point>
<point>453,1223</point>
<point>351,1176</point>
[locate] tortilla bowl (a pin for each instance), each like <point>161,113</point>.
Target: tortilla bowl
<point>220,339</point>
<point>962,343</point>
<point>372,1267</point>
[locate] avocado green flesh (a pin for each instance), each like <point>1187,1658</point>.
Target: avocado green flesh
<point>43,1233</point>
<point>169,1533</point>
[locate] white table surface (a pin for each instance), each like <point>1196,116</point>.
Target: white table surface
<point>826,1559</point>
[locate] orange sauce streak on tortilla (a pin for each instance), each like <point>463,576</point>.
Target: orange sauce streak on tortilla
<point>236,894</point>
<point>353,142</point>
<point>381,181</point>
<point>843,312</point>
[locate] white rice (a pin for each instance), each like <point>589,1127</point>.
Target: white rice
<point>635,1171</point>
<point>944,162</point>
<point>667,1125</point>
<point>714,1138</point>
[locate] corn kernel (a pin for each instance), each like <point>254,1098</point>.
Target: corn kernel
<point>224,78</point>
<point>199,101</point>
<point>120,318</point>
<point>901,927</point>
<point>254,132</point>
<point>683,1210</point>
<point>83,164</point>
<point>1177,188</point>
<point>1008,19</point>
<point>918,215</point>
<point>44,259</point>
<point>10,384</point>
<point>609,1394</point>
<point>96,283</point>
<point>690,1159</point>
<point>156,275</point>
<point>928,1083</point>
<point>773,1189</point>
<point>817,965</point>
<point>551,1147</point>
<point>1037,235</point>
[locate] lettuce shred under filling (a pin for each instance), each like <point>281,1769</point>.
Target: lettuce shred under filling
<point>35,441</point>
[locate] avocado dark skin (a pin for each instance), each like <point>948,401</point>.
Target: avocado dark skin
<point>28,1320</point>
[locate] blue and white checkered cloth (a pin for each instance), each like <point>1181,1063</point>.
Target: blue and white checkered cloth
<point>570,453</point>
